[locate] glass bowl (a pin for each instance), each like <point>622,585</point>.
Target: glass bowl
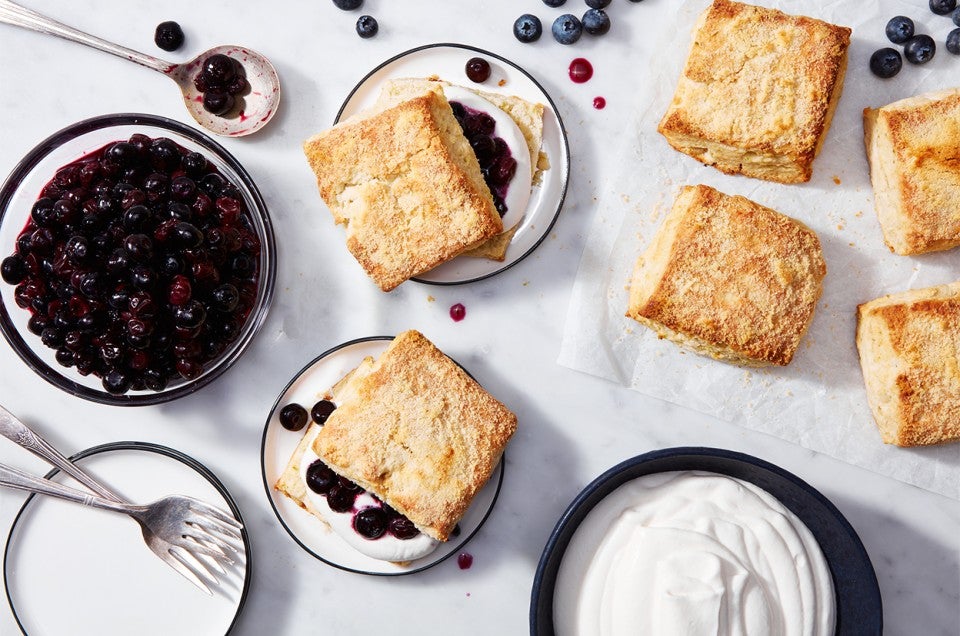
<point>23,187</point>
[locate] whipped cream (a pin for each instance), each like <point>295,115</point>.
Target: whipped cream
<point>518,191</point>
<point>691,553</point>
<point>385,548</point>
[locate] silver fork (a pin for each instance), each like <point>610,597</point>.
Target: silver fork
<point>195,526</point>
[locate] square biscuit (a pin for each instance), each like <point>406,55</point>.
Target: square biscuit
<point>758,91</point>
<point>407,185</point>
<point>419,433</point>
<point>729,278</point>
<point>913,147</point>
<point>909,346</point>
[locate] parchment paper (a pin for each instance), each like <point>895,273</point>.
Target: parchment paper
<point>818,401</point>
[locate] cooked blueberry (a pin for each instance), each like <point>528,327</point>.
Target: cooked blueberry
<point>51,337</point>
<point>190,315</point>
<point>116,382</point>
<point>194,164</point>
<point>293,417</point>
<point>168,36</point>
<point>476,124</point>
<point>217,102</point>
<point>219,69</point>
<point>91,285</point>
<point>225,297</point>
<point>367,26</point>
<point>143,277</point>
<point>554,3</point>
<point>478,70</point>
<point>943,7</point>
<point>596,22</point>
<point>919,49</point>
<point>164,154</point>
<point>123,154</point>
<point>899,29</point>
<point>187,234</point>
<point>527,28</point>
<point>370,523</point>
<point>183,188</point>
<point>340,499</point>
<point>885,62</point>
<point>171,265</point>
<point>598,4</point>
<point>567,29</point>
<point>343,482</point>
<point>953,42</point>
<point>348,5</point>
<point>136,217</point>
<point>320,479</point>
<point>179,211</point>
<point>36,324</point>
<point>138,247</point>
<point>13,269</point>
<point>322,410</point>
<point>403,528</point>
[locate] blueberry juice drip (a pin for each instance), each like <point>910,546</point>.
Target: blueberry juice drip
<point>137,264</point>
<point>370,522</point>
<point>496,161</point>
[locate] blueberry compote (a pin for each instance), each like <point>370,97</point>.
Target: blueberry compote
<point>496,161</point>
<point>138,264</point>
<point>370,522</point>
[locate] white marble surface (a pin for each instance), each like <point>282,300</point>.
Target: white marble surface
<point>572,426</point>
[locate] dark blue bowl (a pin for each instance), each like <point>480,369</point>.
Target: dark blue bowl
<point>859,607</point>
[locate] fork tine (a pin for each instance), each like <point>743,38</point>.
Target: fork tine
<point>203,535</point>
<point>187,573</point>
<point>203,508</point>
<point>201,544</point>
<point>190,560</point>
<point>215,525</point>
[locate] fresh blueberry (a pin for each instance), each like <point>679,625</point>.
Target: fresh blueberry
<point>953,41</point>
<point>168,36</point>
<point>899,29</point>
<point>527,28</point>
<point>348,5</point>
<point>885,62</point>
<point>367,26</point>
<point>919,49</point>
<point>554,3</point>
<point>597,4</point>
<point>943,7</point>
<point>955,16</point>
<point>567,29</point>
<point>596,22</point>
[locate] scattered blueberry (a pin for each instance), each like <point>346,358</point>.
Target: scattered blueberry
<point>567,29</point>
<point>943,7</point>
<point>596,22</point>
<point>168,36</point>
<point>886,62</point>
<point>919,49</point>
<point>322,410</point>
<point>953,41</point>
<point>955,16</point>
<point>478,70</point>
<point>554,3</point>
<point>293,417</point>
<point>367,26</point>
<point>899,29</point>
<point>348,5</point>
<point>527,28</point>
<point>597,4</point>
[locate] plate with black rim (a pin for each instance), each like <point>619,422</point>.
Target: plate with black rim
<point>859,608</point>
<point>447,61</point>
<point>70,569</point>
<point>278,444</point>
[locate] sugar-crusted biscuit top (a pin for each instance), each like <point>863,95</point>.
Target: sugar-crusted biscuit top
<point>760,80</point>
<point>406,184</point>
<point>909,346</point>
<point>914,151</point>
<point>729,277</point>
<point>419,433</point>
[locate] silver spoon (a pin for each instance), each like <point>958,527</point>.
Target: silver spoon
<point>250,114</point>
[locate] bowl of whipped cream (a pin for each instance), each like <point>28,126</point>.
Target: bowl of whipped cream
<point>697,541</point>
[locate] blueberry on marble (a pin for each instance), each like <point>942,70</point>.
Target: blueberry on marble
<point>348,5</point>
<point>953,41</point>
<point>885,62</point>
<point>367,26</point>
<point>527,28</point>
<point>899,29</point>
<point>597,4</point>
<point>919,49</point>
<point>554,3</point>
<point>567,29</point>
<point>168,36</point>
<point>943,7</point>
<point>596,22</point>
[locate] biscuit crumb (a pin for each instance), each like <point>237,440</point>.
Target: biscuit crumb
<point>840,225</point>
<point>836,179</point>
<point>502,82</point>
<point>430,298</point>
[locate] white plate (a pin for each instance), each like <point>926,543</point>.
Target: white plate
<point>447,61</point>
<point>70,569</point>
<point>278,445</point>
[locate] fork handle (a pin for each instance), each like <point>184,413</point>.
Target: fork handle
<point>19,480</point>
<point>19,433</point>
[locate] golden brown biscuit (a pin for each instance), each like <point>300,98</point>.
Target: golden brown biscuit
<point>758,91</point>
<point>419,433</point>
<point>407,185</point>
<point>909,345</point>
<point>729,278</point>
<point>913,147</point>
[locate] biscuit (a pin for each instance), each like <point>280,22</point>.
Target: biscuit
<point>909,346</point>
<point>758,91</point>
<point>913,147</point>
<point>729,278</point>
<point>406,184</point>
<point>419,433</point>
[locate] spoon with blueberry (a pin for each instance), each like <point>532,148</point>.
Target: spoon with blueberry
<point>229,90</point>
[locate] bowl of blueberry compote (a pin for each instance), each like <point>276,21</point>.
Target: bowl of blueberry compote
<point>138,259</point>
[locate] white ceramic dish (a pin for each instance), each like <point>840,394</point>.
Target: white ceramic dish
<point>447,61</point>
<point>278,445</point>
<point>70,569</point>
